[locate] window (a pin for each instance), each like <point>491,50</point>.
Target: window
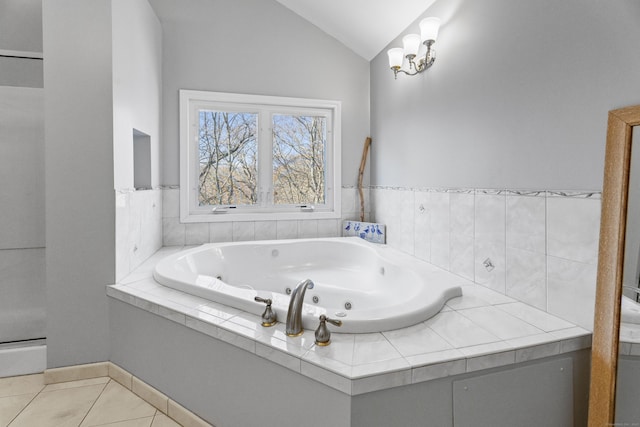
<point>250,157</point>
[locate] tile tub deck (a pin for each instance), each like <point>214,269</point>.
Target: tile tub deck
<point>482,329</point>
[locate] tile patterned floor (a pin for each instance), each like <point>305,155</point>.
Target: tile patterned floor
<point>26,401</point>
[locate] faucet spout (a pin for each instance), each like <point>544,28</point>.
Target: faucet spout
<point>294,315</point>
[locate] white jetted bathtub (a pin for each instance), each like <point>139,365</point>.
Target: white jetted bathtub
<point>370,287</point>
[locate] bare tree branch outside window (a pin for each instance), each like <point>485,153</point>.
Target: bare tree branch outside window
<point>228,158</point>
<point>299,150</point>
<point>228,150</point>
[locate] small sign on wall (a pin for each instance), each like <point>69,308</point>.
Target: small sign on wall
<point>369,231</point>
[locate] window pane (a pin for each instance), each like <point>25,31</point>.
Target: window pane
<point>299,151</point>
<point>228,158</point>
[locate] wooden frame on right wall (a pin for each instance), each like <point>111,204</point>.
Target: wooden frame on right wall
<point>606,330</point>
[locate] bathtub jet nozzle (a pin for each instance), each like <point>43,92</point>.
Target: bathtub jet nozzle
<point>294,314</point>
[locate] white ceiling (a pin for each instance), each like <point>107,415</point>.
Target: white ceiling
<point>364,26</point>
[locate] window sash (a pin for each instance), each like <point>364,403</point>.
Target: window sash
<point>197,165</point>
<point>299,160</point>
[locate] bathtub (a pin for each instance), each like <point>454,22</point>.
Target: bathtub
<point>369,287</point>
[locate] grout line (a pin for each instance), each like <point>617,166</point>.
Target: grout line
<point>130,390</point>
<point>506,254</point>
<point>546,255</point>
<point>474,228</point>
<point>42,391</point>
<point>94,402</point>
<point>25,406</point>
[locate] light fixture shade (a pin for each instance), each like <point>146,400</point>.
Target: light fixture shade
<point>396,57</point>
<point>429,29</point>
<point>411,43</point>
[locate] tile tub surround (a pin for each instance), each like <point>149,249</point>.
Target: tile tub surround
<point>539,247</point>
<point>368,231</point>
<point>176,233</point>
<point>138,228</point>
<point>481,330</point>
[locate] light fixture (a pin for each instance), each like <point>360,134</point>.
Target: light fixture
<point>411,48</point>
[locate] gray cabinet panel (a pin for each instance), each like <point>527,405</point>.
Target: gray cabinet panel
<point>535,395</point>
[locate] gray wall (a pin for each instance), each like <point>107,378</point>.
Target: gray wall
<point>517,98</point>
<point>258,47</point>
<point>80,207</point>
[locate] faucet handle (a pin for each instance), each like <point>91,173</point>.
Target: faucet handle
<point>332,321</point>
<point>269,317</point>
<point>323,334</point>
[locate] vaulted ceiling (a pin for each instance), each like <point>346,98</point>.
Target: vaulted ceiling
<point>364,26</point>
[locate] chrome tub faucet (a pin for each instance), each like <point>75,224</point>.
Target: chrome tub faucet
<point>294,314</point>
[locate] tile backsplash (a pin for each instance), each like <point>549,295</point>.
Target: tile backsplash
<point>369,231</point>
<point>177,233</point>
<point>540,247</point>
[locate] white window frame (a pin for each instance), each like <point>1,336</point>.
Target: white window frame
<point>191,102</point>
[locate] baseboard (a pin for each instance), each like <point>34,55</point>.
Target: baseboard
<point>163,403</point>
<point>76,372</point>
